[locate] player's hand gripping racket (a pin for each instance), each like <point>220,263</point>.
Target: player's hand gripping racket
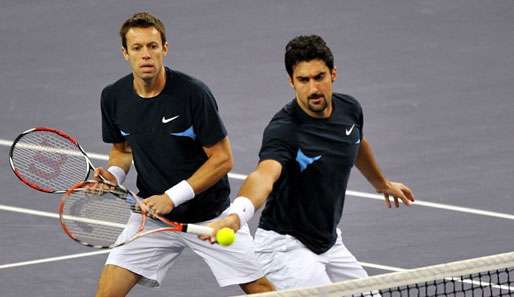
<point>94,213</point>
<point>49,160</point>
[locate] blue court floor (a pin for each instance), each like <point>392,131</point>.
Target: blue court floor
<point>435,79</point>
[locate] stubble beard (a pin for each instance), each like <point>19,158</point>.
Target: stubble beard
<point>316,108</point>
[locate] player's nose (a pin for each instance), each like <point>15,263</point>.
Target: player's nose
<point>313,87</point>
<point>145,53</point>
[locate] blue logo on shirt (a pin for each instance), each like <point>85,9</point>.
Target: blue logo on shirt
<point>304,160</point>
<point>187,133</point>
<point>123,133</point>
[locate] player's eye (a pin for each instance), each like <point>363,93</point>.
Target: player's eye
<point>153,45</point>
<point>319,77</point>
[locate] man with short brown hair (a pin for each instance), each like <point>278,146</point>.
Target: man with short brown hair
<point>167,123</point>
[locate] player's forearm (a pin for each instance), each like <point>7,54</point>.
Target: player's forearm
<point>368,166</point>
<point>252,195</point>
<point>257,187</point>
<point>215,168</point>
<point>219,163</point>
<point>121,156</point>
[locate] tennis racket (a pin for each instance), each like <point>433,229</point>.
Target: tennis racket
<point>95,213</point>
<point>49,160</point>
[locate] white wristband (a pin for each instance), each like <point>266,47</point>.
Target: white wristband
<point>180,193</point>
<point>243,208</point>
<point>118,173</point>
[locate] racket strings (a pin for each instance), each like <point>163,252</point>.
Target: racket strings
<point>95,217</point>
<point>49,160</point>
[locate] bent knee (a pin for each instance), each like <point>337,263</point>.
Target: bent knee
<point>115,281</point>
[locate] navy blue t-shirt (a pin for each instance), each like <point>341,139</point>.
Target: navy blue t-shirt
<point>166,134</point>
<point>316,156</point>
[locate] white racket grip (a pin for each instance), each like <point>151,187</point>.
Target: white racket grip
<point>199,230</point>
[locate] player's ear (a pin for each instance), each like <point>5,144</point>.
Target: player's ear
<point>125,53</point>
<point>334,73</point>
<point>165,48</point>
<point>290,80</point>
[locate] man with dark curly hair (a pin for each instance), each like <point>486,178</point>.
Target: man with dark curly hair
<point>307,153</point>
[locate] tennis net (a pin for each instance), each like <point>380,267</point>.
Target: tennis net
<point>485,276</point>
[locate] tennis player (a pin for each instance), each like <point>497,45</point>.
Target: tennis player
<point>308,150</point>
<point>167,123</point>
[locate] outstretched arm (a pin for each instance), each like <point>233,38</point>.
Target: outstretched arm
<point>252,195</point>
<point>368,166</point>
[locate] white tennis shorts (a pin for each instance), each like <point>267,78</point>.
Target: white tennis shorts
<point>151,256</point>
<point>289,264</point>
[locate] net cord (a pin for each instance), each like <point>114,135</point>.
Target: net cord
<point>398,279</point>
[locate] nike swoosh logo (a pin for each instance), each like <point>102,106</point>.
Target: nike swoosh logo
<point>165,120</point>
<point>348,132</point>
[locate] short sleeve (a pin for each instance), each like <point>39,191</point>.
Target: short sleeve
<point>276,143</point>
<point>110,132</point>
<point>207,122</point>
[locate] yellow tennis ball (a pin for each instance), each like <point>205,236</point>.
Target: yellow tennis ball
<point>225,236</point>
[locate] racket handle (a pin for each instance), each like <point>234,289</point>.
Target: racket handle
<point>199,230</point>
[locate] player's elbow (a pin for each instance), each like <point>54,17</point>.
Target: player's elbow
<point>229,164</point>
<point>264,180</point>
<point>225,163</point>
<point>220,156</point>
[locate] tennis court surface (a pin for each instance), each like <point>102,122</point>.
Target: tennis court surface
<point>434,79</point>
